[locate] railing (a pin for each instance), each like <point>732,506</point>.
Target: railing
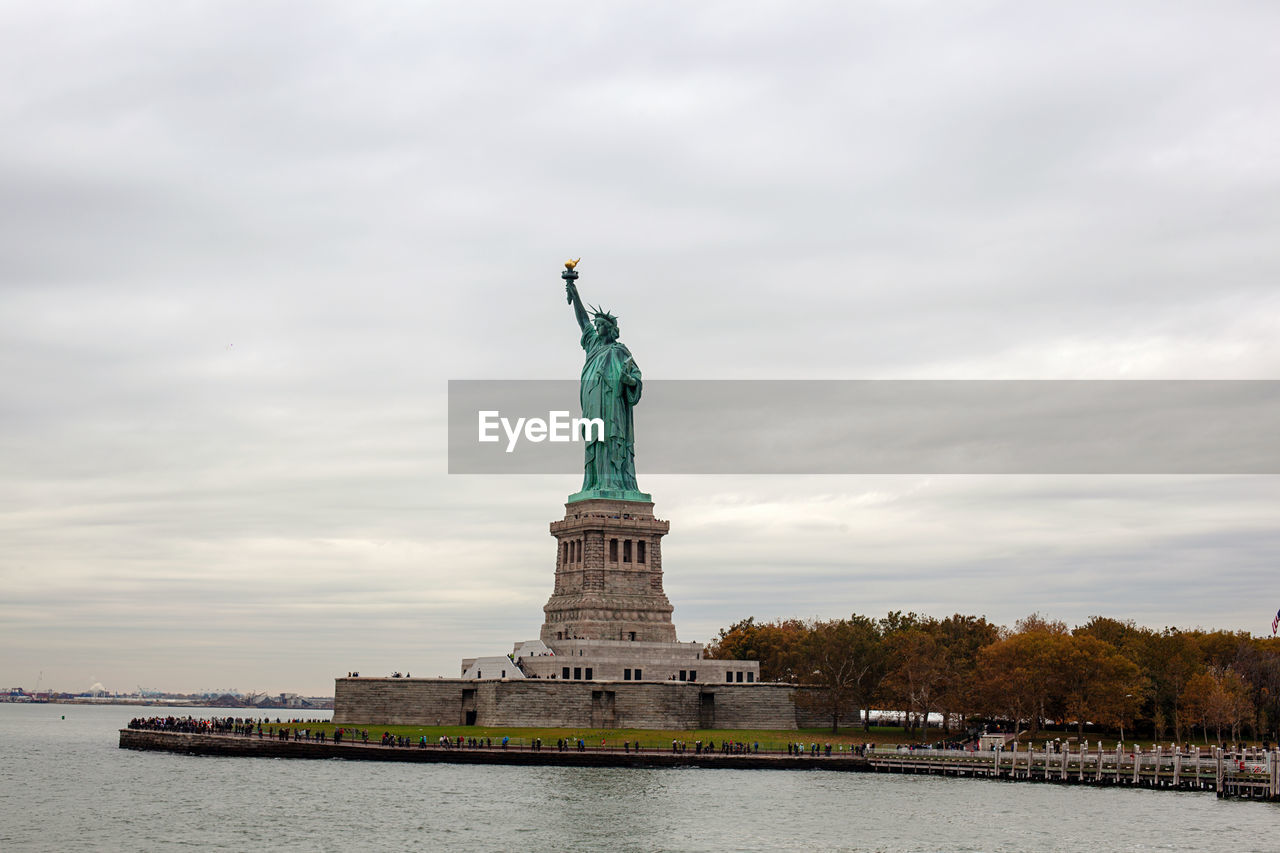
<point>1249,773</point>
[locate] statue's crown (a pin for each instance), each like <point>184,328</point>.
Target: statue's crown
<point>601,314</point>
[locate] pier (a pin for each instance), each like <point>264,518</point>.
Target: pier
<point>1248,773</point>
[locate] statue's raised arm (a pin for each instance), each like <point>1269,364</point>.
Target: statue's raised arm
<point>570,276</point>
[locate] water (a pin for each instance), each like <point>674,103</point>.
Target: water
<point>64,785</point>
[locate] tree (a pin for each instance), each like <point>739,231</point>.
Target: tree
<point>1013,678</point>
<point>775,644</point>
<point>842,659</point>
<point>1219,648</point>
<point>916,671</point>
<point>963,638</point>
<point>1125,637</point>
<point>1112,631</point>
<point>1217,697</point>
<point>1037,624</point>
<point>1097,682</point>
<point>895,622</point>
<point>1258,662</point>
<point>1170,659</point>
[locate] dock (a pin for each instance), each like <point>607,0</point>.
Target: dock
<point>1247,773</point>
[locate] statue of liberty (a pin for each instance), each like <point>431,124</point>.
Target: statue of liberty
<point>609,390</point>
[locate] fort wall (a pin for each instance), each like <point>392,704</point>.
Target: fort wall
<point>544,703</point>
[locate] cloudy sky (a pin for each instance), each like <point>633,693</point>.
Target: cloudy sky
<point>246,245</point>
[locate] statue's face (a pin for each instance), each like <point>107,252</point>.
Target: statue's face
<point>606,331</point>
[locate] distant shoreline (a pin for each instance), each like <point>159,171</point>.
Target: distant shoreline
<point>168,703</point>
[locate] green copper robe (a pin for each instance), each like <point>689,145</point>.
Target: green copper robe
<point>609,464</point>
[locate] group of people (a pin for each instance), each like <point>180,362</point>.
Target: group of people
<point>727,747</point>
<point>265,728</point>
<point>246,727</point>
<point>815,750</point>
<point>192,725</point>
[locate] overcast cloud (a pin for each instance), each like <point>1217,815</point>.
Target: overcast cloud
<point>244,246</point>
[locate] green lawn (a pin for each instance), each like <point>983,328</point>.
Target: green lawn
<point>769,739</point>
<point>648,738</point>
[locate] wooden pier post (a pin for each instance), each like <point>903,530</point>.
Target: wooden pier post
<point>1272,789</point>
<point>1218,755</point>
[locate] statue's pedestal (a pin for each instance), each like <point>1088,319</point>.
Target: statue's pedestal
<point>608,619</point>
<point>608,574</point>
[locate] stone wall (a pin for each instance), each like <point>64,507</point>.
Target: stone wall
<point>810,713</point>
<point>586,704</point>
<point>401,701</point>
<point>753,706</point>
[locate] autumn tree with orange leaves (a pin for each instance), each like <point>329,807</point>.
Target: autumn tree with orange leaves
<point>1107,673</point>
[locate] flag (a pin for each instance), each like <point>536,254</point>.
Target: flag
<point>1275,623</point>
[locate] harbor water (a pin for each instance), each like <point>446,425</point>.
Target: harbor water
<point>64,785</point>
